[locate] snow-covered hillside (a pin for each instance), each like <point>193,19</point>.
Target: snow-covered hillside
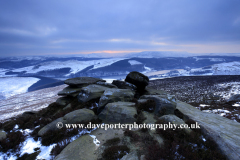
<point>31,101</point>
<point>230,68</point>
<point>75,65</point>
<point>158,54</point>
<point>10,86</point>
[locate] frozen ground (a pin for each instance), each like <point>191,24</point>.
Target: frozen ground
<point>207,93</point>
<point>10,86</point>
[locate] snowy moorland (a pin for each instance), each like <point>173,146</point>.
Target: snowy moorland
<point>11,86</point>
<point>69,67</point>
<point>207,93</point>
<point>31,101</point>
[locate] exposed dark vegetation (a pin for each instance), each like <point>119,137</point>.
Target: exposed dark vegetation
<point>115,152</point>
<point>12,141</point>
<point>59,147</point>
<point>27,156</point>
<point>177,144</point>
<point>197,90</point>
<point>148,106</point>
<point>57,136</point>
<point>113,141</point>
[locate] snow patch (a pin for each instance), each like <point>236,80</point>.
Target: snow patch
<point>133,62</point>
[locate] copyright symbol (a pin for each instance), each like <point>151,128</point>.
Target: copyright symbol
<point>59,125</point>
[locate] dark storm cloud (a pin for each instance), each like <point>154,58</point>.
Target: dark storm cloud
<point>48,27</point>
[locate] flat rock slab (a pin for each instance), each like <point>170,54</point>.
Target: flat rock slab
<point>63,101</point>
<point>118,112</point>
<point>115,95</point>
<point>225,132</point>
<point>109,85</point>
<point>69,91</point>
<point>90,92</point>
<point>84,148</point>
<point>82,81</point>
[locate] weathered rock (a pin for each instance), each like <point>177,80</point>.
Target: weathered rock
<point>175,120</point>
<point>149,118</point>
<point>124,85</point>
<point>77,116</point>
<point>80,115</point>
<point>109,85</point>
<point>151,91</point>
<point>163,105</point>
<point>84,148</point>
<point>118,112</point>
<point>82,81</point>
<point>115,95</point>
<point>234,98</point>
<point>130,156</point>
<point>68,106</point>
<point>3,135</point>
<point>146,105</point>
<point>63,101</point>
<point>138,79</point>
<point>91,92</point>
<point>69,91</point>
<point>225,132</point>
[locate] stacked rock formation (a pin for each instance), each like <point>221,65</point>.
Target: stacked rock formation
<point>123,102</point>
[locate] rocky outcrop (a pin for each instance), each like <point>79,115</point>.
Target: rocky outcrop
<point>108,85</point>
<point>118,105</point>
<point>84,147</point>
<point>91,92</point>
<point>63,101</point>
<point>69,91</point>
<point>138,79</point>
<point>77,116</point>
<point>223,131</point>
<point>163,106</point>
<point>124,85</point>
<point>115,95</point>
<point>118,112</point>
<point>175,120</point>
<point>82,81</point>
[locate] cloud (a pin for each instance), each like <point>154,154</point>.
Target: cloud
<point>44,27</point>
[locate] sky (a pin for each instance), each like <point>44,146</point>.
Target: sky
<point>61,27</point>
